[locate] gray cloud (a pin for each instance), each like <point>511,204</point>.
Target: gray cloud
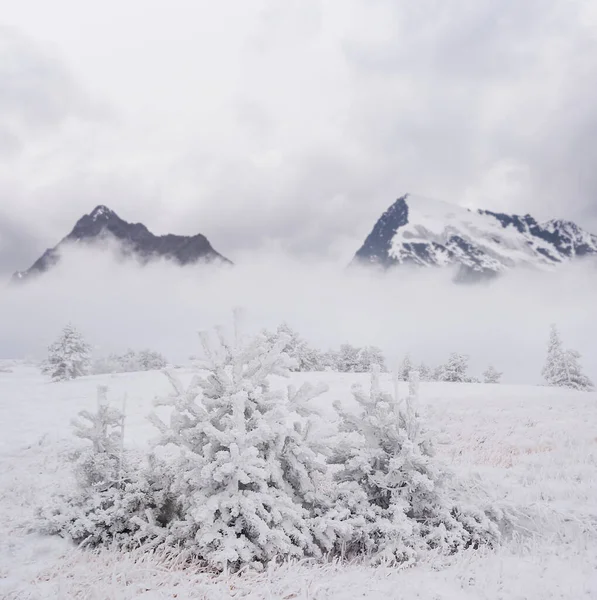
<point>18,247</point>
<point>320,116</point>
<point>37,91</point>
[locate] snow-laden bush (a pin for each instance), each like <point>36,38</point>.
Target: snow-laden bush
<point>68,357</point>
<point>492,375</point>
<point>394,497</point>
<point>129,362</point>
<point>455,370</point>
<point>562,368</point>
<point>405,368</point>
<point>425,372</point>
<point>355,359</point>
<point>347,359</point>
<point>113,487</point>
<point>247,478</point>
<point>305,357</point>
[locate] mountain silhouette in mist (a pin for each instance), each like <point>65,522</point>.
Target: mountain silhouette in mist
<point>133,239</point>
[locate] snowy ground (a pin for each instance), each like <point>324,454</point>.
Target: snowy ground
<point>534,447</point>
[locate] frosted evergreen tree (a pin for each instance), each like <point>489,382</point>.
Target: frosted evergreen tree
<point>553,370</point>
<point>68,357</point>
<point>306,357</point>
<point>113,493</point>
<point>405,368</point>
<point>425,373</point>
<point>562,368</point>
<point>248,476</point>
<point>455,370</point>
<point>354,359</point>
<point>575,378</point>
<point>492,375</point>
<point>348,359</point>
<point>369,356</point>
<point>393,495</point>
<point>150,360</point>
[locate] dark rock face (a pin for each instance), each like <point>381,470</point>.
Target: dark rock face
<point>479,243</point>
<point>135,241</point>
<point>375,249</point>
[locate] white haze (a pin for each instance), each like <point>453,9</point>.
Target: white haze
<point>120,305</point>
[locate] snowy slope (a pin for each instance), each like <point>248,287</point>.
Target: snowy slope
<point>416,230</point>
<point>535,447</point>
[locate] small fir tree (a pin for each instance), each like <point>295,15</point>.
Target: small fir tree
<point>425,373</point>
<point>306,358</point>
<point>348,359</point>
<point>405,368</point>
<point>393,495</point>
<point>370,356</point>
<point>455,370</point>
<point>68,357</point>
<point>112,493</point>
<point>248,475</point>
<point>492,375</point>
<point>562,368</point>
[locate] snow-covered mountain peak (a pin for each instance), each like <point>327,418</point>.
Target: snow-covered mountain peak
<point>426,232</point>
<point>101,212</point>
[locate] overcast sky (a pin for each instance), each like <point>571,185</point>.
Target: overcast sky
<point>290,124</point>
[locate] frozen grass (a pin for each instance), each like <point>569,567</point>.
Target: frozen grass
<point>533,448</point>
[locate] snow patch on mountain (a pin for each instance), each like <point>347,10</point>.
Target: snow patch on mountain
<point>425,232</point>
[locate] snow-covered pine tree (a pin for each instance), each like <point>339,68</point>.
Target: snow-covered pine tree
<point>348,359</point>
<point>562,368</point>
<point>248,477</point>
<point>575,378</point>
<point>553,370</point>
<point>369,356</point>
<point>306,357</point>
<point>150,360</point>
<point>455,370</point>
<point>492,375</point>
<point>393,495</point>
<point>112,491</point>
<point>405,368</point>
<point>68,357</point>
<point>425,373</point>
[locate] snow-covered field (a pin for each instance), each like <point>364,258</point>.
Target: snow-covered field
<point>533,447</point>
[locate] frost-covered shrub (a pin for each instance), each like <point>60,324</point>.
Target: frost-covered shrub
<point>425,373</point>
<point>68,357</point>
<point>347,359</point>
<point>305,357</point>
<point>112,488</point>
<point>247,477</point>
<point>393,496</point>
<point>129,362</point>
<point>492,375</point>
<point>354,359</point>
<point>405,368</point>
<point>455,370</point>
<point>562,368</point>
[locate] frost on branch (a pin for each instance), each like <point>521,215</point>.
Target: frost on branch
<point>393,495</point>
<point>68,357</point>
<point>247,476</point>
<point>562,368</point>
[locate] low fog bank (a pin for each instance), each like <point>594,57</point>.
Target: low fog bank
<point>119,305</point>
